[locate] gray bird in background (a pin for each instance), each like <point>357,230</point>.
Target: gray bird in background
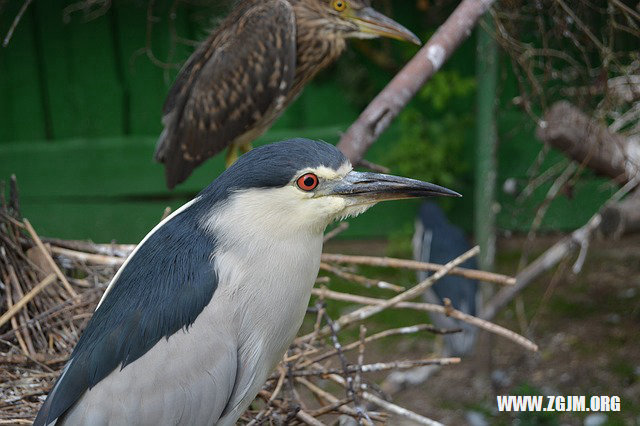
<point>205,307</point>
<point>436,240</point>
<point>252,66</point>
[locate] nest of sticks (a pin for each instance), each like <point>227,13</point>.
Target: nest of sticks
<point>49,289</point>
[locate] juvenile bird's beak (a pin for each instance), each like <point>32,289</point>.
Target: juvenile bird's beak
<point>368,188</point>
<point>375,23</point>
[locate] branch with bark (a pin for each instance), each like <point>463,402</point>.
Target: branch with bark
<point>589,142</point>
<point>375,119</point>
<point>621,218</point>
<point>545,262</point>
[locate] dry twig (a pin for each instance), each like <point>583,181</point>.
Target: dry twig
<point>390,262</point>
<point>15,22</point>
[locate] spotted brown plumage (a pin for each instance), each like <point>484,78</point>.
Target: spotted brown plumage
<point>243,76</point>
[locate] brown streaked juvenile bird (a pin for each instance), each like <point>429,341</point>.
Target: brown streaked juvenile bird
<point>239,81</point>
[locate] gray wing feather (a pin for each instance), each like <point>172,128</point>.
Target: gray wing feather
<point>131,319</point>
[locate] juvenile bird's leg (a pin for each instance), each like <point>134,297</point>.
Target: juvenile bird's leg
<point>232,152</point>
<point>244,148</point>
<point>232,155</point>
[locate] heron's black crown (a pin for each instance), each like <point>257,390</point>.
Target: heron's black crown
<point>275,165</point>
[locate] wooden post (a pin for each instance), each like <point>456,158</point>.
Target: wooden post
<point>485,176</point>
<point>486,142</point>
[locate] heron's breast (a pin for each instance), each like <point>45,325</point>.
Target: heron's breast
<point>269,283</point>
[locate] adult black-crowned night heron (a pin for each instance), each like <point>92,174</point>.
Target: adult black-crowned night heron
<point>437,240</point>
<point>201,312</point>
<point>239,81</point>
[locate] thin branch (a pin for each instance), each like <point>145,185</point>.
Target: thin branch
<point>386,333</point>
<point>378,366</point>
<point>88,258</point>
<point>390,407</point>
<point>343,226</point>
<point>367,282</point>
<point>26,298</point>
<point>345,371</point>
<point>47,256</point>
<point>301,415</point>
<point>430,307</point>
<point>318,391</point>
<point>14,322</point>
<point>552,256</point>
<point>15,22</point>
<point>368,311</point>
<point>390,262</point>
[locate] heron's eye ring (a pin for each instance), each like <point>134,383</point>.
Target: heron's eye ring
<point>307,182</point>
<point>339,5</point>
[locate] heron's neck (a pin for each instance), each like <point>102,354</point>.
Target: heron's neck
<point>318,45</point>
<point>259,248</point>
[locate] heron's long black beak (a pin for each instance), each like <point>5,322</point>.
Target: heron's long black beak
<point>373,187</point>
<point>373,22</point>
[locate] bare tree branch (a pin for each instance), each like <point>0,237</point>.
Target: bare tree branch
<point>388,104</point>
<point>621,218</point>
<point>586,141</point>
<point>542,264</point>
<point>15,22</point>
<point>390,262</point>
<point>549,259</point>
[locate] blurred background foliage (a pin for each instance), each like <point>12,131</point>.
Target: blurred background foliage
<point>82,85</point>
<point>434,132</point>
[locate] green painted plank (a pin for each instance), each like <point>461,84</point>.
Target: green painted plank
<point>144,85</point>
<point>110,166</point>
<point>146,82</point>
<point>110,189</point>
<point>86,96</point>
<point>128,221</point>
<point>107,221</point>
<point>21,107</point>
<point>324,104</point>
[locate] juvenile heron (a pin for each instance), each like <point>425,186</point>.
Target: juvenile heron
<point>243,76</point>
<point>201,312</point>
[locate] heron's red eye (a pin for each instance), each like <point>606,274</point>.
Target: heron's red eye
<point>307,182</point>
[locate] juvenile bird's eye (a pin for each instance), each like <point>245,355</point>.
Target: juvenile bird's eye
<point>339,5</point>
<point>307,182</point>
